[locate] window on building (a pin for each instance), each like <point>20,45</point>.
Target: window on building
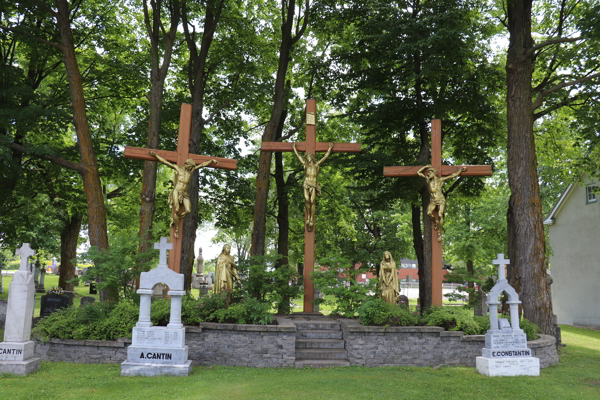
<point>590,196</point>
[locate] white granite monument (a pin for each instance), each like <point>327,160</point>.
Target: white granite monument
<point>16,352</point>
<point>505,352</point>
<point>158,350</point>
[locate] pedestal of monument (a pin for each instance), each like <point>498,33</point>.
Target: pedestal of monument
<point>16,352</point>
<point>506,354</point>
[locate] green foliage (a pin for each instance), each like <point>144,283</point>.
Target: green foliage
<point>195,311</point>
<point>339,280</point>
<point>96,321</point>
<point>117,266</point>
<point>161,310</point>
<point>453,319</point>
<point>377,312</point>
<point>247,311</point>
<point>531,329</point>
<point>261,281</point>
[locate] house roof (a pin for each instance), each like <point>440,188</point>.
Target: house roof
<point>551,219</point>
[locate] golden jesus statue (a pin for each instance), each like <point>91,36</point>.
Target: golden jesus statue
<point>311,187</point>
<point>181,182</point>
<point>437,199</point>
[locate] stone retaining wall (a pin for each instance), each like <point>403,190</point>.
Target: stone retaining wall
<point>375,346</point>
<point>274,346</point>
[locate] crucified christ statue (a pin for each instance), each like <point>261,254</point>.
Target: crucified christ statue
<point>311,187</point>
<point>181,180</point>
<point>437,199</point>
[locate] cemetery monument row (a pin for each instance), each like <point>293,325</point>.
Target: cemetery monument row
<point>17,350</point>
<point>505,352</point>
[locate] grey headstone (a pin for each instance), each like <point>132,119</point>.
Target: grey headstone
<point>53,302</point>
<point>87,300</point>
<point>402,301</point>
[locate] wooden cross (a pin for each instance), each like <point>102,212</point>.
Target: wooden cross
<point>442,170</point>
<point>501,262</point>
<point>24,252</point>
<point>310,146</point>
<point>179,157</point>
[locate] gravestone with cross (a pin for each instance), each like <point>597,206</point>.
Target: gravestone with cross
<point>505,352</point>
<point>158,350</point>
<point>437,275</point>
<point>179,157</point>
<point>17,350</point>
<point>310,146</point>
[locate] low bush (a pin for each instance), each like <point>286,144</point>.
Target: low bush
<point>247,311</point>
<point>531,329</point>
<point>454,319</point>
<point>377,312</point>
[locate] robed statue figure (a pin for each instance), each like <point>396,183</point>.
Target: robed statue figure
<point>388,280</point>
<point>225,271</point>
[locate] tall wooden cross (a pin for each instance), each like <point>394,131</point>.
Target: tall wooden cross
<point>179,157</point>
<point>310,146</point>
<point>442,170</point>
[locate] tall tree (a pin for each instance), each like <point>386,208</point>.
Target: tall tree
<point>568,33</point>
<point>289,37</point>
<point>163,41</point>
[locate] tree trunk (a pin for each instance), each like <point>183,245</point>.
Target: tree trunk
<point>526,222</point>
<point>264,165</point>
<point>68,251</point>
<point>470,283</point>
<point>197,77</point>
<point>91,177</point>
<point>158,76</point>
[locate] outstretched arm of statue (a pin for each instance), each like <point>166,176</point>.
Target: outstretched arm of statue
<point>162,160</point>
<point>420,171</point>
<point>454,175</point>
<point>326,154</point>
<point>204,164</point>
<point>297,155</point>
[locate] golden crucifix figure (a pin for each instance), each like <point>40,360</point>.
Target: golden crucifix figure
<point>181,182</point>
<point>436,195</point>
<point>311,187</point>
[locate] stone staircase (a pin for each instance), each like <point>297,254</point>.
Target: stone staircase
<point>319,343</point>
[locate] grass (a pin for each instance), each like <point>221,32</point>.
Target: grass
<point>576,377</point>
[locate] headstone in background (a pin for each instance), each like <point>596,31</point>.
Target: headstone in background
<point>52,302</point>
<point>158,290</point>
<point>158,350</point>
<point>402,301</point>
<point>1,278</point>
<point>3,307</point>
<point>87,300</point>
<point>480,303</point>
<point>36,273</point>
<point>16,352</point>
<point>200,262</point>
<point>39,288</point>
<point>92,288</point>
<point>505,352</point>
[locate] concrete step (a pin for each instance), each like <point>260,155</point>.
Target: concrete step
<point>318,334</point>
<point>317,325</point>
<point>319,343</point>
<point>321,363</point>
<point>321,354</point>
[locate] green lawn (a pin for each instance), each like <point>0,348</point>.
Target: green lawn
<point>577,377</point>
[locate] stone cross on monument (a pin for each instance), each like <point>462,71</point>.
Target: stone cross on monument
<point>437,276</point>
<point>25,252</point>
<point>163,246</point>
<point>310,146</point>
<point>179,157</point>
<point>502,263</point>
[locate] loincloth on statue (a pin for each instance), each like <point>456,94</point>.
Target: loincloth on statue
<point>311,185</point>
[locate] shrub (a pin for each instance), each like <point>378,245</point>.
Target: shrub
<point>161,311</point>
<point>531,329</point>
<point>247,311</point>
<point>61,324</point>
<point>453,319</point>
<point>377,312</point>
